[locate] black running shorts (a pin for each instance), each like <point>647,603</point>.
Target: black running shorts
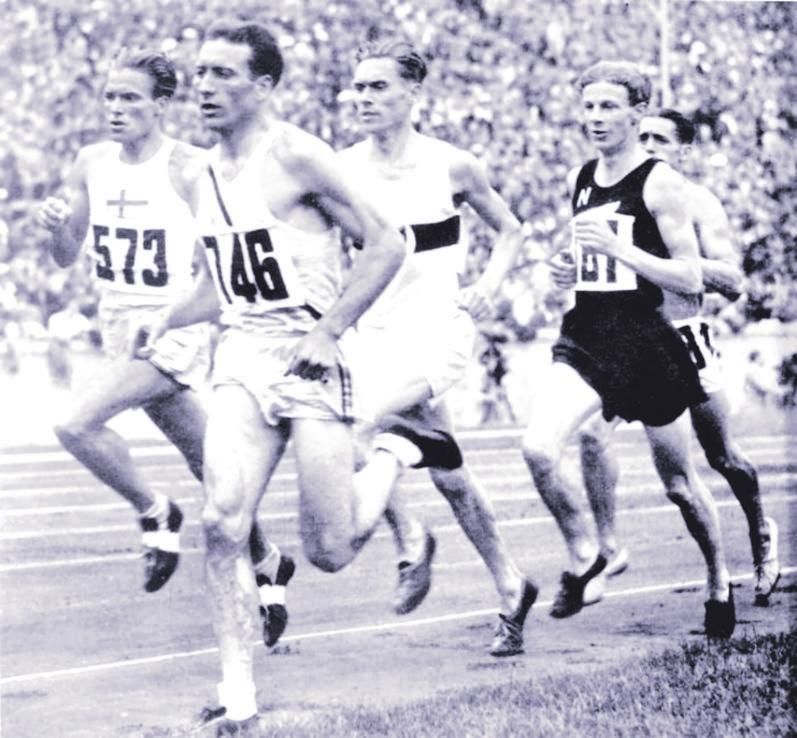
<point>635,360</point>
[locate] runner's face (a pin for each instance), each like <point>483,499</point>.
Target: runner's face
<point>131,111</point>
<point>609,118</point>
<point>383,98</point>
<point>659,136</point>
<point>228,92</point>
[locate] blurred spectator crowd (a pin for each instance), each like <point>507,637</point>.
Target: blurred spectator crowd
<point>500,84</point>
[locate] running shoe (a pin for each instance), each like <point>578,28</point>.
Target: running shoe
<point>415,579</point>
<point>570,598</point>
<point>161,541</point>
<point>216,718</point>
<point>508,639</point>
<point>273,609</point>
<point>767,571</point>
<point>720,617</point>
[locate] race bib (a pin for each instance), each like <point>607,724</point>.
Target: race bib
<point>129,257</point>
<point>597,272</point>
<point>248,268</point>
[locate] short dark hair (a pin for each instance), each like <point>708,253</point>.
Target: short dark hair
<point>684,128</point>
<point>390,46</point>
<point>154,63</point>
<point>623,73</point>
<point>266,55</point>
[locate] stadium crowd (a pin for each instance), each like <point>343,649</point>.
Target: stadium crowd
<point>500,84</point>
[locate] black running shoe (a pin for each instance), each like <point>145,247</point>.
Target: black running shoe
<point>720,619</point>
<point>508,640</point>
<point>216,717</point>
<point>570,598</point>
<point>438,448</point>
<point>275,614</point>
<point>161,548</point>
<point>415,579</point>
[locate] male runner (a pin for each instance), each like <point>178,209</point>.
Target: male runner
<point>266,206</point>
<point>125,203</point>
<point>668,135</point>
<point>417,339</point>
<point>632,239</point>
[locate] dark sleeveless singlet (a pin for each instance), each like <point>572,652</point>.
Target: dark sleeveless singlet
<point>618,341</point>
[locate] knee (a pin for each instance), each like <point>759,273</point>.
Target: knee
<point>327,553</point>
<point>71,433</point>
<point>721,461</point>
<point>453,485</point>
<point>539,455</point>
<point>327,548</point>
<point>590,444</point>
<point>679,491</point>
<point>225,527</point>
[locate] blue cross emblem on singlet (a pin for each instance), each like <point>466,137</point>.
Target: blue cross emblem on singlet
<point>122,202</point>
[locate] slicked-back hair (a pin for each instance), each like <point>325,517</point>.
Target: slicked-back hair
<point>621,73</point>
<point>156,64</point>
<point>411,64</point>
<point>684,128</point>
<point>266,58</point>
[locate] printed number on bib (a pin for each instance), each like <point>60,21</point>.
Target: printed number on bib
<point>131,256</point>
<point>696,351</point>
<point>599,272</point>
<point>247,267</point>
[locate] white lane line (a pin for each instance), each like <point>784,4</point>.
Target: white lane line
<point>438,529</point>
<point>48,455</point>
<point>626,491</point>
<point>338,632</point>
<point>497,480</point>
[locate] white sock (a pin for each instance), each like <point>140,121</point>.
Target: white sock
<point>239,698</point>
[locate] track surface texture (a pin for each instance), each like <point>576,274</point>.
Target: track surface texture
<point>86,652</point>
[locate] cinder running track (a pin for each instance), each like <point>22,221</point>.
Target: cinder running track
<point>86,652</point>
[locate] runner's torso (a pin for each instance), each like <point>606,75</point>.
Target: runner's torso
<point>141,232</point>
<point>266,271</point>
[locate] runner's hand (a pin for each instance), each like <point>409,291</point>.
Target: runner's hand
<point>563,270</point>
<point>143,336</point>
<point>314,356</point>
<point>53,214</point>
<point>476,302</point>
<point>598,236</point>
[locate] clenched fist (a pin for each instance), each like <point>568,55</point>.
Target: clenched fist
<point>53,214</point>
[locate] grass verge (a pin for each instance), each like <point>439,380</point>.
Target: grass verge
<point>742,687</point>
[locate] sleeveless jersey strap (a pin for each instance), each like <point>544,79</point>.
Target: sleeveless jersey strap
<point>584,177</point>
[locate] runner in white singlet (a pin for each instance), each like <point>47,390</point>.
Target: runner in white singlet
<point>417,339</point>
<point>266,203</point>
<point>127,209</point>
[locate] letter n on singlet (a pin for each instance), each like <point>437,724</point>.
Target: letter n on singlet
<point>583,197</point>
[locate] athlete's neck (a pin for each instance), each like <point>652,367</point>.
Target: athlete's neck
<point>390,145</point>
<point>238,142</point>
<point>138,150</point>
<point>614,164</point>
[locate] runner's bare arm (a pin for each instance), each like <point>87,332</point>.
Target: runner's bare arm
<point>196,305</point>
<point>719,256</point>
<point>470,181</point>
<point>67,218</point>
<point>315,164</point>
